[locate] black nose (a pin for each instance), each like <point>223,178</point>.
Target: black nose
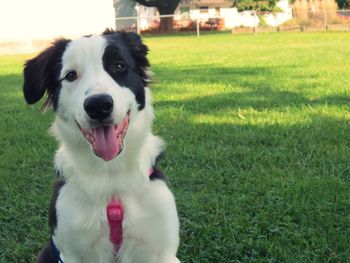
<point>99,107</point>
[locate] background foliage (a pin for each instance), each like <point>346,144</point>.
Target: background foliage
<point>258,5</point>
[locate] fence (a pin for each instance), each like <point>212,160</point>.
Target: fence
<point>246,22</point>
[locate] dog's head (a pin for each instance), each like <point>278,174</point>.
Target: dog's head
<point>95,84</point>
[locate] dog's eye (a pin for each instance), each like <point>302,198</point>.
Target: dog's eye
<point>118,67</point>
<point>71,76</point>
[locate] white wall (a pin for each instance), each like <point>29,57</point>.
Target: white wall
<point>233,18</point>
<point>280,18</point>
<point>146,16</point>
<point>194,14</point>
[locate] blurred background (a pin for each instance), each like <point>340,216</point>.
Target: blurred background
<point>26,26</point>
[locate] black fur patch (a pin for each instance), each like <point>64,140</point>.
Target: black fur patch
<point>42,74</point>
<point>127,48</point>
<point>52,208</point>
<point>157,174</point>
<point>47,255</point>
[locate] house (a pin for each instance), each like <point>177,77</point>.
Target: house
<point>218,14</point>
<point>206,8</point>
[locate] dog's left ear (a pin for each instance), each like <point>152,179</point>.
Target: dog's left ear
<point>42,72</point>
<point>139,51</point>
<point>133,40</point>
<point>136,43</point>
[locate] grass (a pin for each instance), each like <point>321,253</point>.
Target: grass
<point>258,148</point>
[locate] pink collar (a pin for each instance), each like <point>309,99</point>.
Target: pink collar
<point>115,221</point>
<point>115,215</point>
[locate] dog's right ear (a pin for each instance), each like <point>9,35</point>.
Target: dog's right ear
<point>42,72</point>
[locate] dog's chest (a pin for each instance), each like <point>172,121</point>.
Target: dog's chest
<point>83,229</point>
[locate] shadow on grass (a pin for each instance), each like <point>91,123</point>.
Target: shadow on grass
<point>248,192</point>
<point>259,88</point>
<point>268,193</point>
<point>10,90</point>
<point>250,76</point>
<point>245,192</point>
<point>10,79</point>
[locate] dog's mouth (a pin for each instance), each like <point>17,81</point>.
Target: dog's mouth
<point>107,141</point>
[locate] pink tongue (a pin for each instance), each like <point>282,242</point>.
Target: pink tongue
<point>106,145</point>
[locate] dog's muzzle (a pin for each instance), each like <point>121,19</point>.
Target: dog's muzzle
<point>105,137</point>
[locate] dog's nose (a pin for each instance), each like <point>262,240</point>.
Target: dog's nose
<point>99,107</point>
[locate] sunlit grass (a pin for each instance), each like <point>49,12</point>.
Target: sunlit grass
<point>258,148</point>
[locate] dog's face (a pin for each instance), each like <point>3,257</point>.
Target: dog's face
<point>95,84</point>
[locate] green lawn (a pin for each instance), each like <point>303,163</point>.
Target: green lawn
<point>258,156</point>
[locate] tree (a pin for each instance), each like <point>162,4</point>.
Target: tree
<point>343,4</point>
<point>165,7</point>
<point>257,5</point>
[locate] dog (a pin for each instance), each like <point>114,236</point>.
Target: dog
<point>97,86</point>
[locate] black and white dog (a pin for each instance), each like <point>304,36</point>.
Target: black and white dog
<point>97,86</point>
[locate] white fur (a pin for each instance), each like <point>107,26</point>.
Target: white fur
<point>150,225</point>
